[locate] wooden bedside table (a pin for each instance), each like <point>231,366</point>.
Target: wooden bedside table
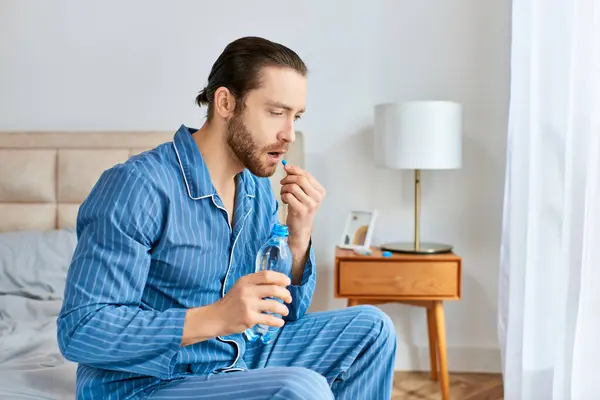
<point>413,279</point>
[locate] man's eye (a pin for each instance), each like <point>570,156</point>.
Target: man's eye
<point>297,117</point>
<point>276,113</point>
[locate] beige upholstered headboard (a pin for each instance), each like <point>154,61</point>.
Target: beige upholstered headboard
<point>45,176</point>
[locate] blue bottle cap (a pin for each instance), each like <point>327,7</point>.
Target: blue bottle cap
<point>284,162</point>
<point>387,254</point>
<point>280,230</point>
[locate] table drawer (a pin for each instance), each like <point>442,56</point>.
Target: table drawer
<point>376,278</point>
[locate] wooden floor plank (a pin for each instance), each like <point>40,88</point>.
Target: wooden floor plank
<point>463,386</point>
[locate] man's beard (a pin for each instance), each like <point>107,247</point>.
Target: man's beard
<point>244,147</point>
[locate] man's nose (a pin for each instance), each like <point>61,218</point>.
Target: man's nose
<point>289,134</point>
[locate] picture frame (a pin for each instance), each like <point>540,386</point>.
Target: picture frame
<point>358,230</point>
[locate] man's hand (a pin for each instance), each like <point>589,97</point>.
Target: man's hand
<point>241,308</point>
<point>303,195</point>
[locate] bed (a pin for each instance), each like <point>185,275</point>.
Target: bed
<point>44,177</point>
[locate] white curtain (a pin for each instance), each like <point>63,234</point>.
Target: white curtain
<point>549,305</point>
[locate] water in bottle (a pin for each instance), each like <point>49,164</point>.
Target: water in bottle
<point>274,255</point>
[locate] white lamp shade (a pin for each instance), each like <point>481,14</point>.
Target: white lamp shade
<point>418,135</point>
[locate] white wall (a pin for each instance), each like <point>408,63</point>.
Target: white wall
<point>139,64</point>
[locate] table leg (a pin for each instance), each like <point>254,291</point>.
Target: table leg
<point>438,308</point>
<point>352,302</point>
<point>432,343</point>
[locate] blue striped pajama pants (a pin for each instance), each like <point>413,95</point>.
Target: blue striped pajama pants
<point>342,354</point>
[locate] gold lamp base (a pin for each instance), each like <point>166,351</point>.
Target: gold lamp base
<point>423,248</point>
<point>416,246</point>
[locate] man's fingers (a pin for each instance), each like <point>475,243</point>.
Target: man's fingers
<point>302,183</point>
<point>274,291</point>
<point>268,278</point>
<point>270,320</point>
<point>291,201</point>
<point>294,170</point>
<point>273,306</point>
<point>298,192</point>
<point>304,202</point>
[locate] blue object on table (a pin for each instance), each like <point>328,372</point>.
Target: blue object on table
<point>387,254</point>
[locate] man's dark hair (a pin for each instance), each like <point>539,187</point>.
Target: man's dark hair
<point>239,65</point>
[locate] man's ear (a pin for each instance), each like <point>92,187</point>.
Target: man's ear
<point>224,104</point>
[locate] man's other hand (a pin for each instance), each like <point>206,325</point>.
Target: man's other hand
<point>241,308</point>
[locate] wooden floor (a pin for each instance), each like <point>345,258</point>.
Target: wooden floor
<point>463,386</point>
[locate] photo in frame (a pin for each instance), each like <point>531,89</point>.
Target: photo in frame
<point>359,229</point>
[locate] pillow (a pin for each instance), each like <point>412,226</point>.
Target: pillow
<point>34,264</point>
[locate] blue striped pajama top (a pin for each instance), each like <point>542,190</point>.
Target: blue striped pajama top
<point>153,240</point>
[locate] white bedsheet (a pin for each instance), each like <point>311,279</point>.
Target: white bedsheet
<point>33,267</point>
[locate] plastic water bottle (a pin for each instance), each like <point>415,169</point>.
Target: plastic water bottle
<point>274,255</point>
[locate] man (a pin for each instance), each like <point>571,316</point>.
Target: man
<point>162,283</point>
